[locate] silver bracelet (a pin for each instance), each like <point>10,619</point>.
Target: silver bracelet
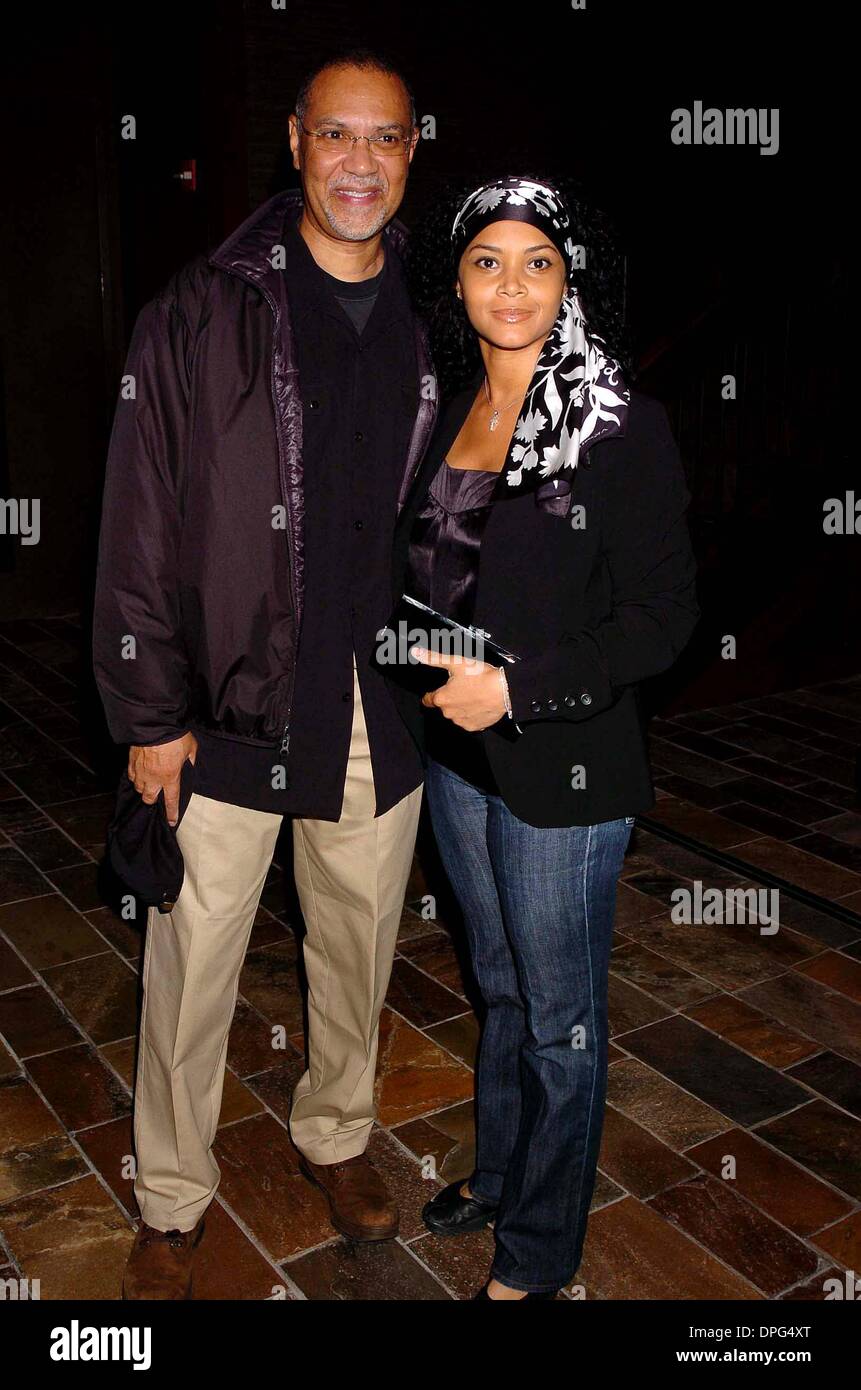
<point>506,695</point>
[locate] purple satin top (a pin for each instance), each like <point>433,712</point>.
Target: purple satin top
<point>442,571</point>
<point>442,568</point>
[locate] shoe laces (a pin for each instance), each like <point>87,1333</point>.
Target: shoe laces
<point>175,1238</point>
<point>358,1162</point>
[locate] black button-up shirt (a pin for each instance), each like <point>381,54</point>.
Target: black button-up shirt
<point>360,393</point>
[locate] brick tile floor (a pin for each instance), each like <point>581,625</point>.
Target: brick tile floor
<point>731,1157</point>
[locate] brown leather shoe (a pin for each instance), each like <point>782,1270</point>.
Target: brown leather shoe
<point>161,1263</point>
<point>359,1201</point>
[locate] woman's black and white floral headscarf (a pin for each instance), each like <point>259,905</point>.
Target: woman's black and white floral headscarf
<point>577,394</point>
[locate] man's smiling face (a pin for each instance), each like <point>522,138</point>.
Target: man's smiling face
<point>352,192</point>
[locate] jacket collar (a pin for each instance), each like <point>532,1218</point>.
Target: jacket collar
<point>248,250</point>
<point>309,289</point>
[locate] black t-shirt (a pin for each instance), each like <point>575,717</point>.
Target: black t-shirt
<point>356,297</point>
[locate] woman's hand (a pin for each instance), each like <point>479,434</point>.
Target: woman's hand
<point>471,697</point>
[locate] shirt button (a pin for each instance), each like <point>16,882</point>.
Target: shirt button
<point>570,700</point>
<point>535,706</point>
<point>552,706</point>
<point>585,698</point>
<point>359,525</point>
<point>358,436</point>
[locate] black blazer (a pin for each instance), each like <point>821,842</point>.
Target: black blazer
<point>591,610</point>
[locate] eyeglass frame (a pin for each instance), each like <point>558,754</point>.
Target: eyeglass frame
<point>406,140</point>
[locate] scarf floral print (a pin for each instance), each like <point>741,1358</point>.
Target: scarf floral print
<point>577,394</point>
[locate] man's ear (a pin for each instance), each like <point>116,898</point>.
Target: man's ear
<point>293,137</point>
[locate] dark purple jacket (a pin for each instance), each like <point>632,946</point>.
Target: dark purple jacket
<point>200,580</point>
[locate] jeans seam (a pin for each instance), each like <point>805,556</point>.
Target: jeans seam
<point>591,1107</point>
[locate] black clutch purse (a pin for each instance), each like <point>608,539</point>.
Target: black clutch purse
<point>414,624</point>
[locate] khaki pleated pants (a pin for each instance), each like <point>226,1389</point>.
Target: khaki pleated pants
<point>351,876</point>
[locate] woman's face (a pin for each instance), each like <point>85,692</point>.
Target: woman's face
<point>512,280</point>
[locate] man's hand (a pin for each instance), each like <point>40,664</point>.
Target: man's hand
<point>471,697</point>
<point>155,768</point>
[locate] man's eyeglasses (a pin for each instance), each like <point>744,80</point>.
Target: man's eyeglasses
<point>336,140</point>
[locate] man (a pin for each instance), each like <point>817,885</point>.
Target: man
<point>281,398</point>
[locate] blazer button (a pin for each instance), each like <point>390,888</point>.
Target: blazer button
<point>570,700</point>
<point>535,706</point>
<point>313,405</point>
<point>585,698</point>
<point>552,706</point>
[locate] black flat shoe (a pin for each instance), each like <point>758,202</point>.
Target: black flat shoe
<point>483,1296</point>
<point>451,1214</point>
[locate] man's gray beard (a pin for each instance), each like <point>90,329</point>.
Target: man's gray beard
<point>348,232</point>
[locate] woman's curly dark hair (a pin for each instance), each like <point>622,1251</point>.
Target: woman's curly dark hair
<point>431,269</point>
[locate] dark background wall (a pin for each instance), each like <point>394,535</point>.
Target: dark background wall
<point>737,261</point>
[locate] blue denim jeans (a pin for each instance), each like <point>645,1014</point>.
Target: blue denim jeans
<point>538,906</point>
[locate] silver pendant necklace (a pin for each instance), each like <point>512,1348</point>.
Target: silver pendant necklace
<point>494,419</point>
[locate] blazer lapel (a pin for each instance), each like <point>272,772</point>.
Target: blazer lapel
<point>451,418</point>
<point>426,416</point>
<point>447,430</point>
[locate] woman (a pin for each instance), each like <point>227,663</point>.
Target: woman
<point>570,489</point>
